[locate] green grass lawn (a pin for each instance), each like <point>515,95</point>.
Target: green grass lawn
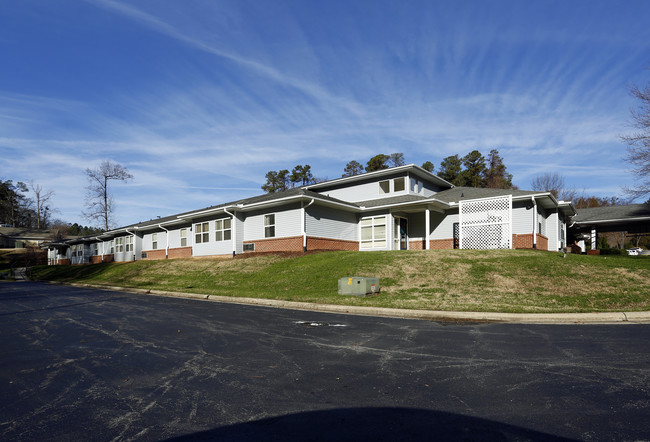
<point>448,280</point>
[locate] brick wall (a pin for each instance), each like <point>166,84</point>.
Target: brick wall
<point>316,243</point>
<point>542,242</point>
<point>417,245</point>
<point>180,252</point>
<point>522,241</point>
<point>97,259</point>
<point>155,254</point>
<point>526,241</point>
<point>441,244</point>
<point>64,262</point>
<point>290,244</point>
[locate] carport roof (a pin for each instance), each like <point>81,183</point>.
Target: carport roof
<point>613,214</point>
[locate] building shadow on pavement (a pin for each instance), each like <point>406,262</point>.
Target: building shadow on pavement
<point>371,424</point>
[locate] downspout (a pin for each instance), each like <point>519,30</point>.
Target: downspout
<point>303,225</point>
<point>534,222</point>
<point>427,227</point>
<point>234,231</point>
<point>132,233</point>
<point>166,242</point>
<point>102,247</point>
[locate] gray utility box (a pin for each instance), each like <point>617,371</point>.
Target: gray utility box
<point>358,286</point>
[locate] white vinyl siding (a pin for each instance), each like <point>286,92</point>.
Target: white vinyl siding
<point>154,241</point>
<point>442,225</point>
<point>216,245</point>
<point>323,222</point>
<point>522,218</point>
<point>287,223</point>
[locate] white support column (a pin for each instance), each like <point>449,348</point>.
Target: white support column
<point>535,220</point>
<point>427,227</point>
<point>594,239</point>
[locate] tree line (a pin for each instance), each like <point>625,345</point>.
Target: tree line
<point>29,205</point>
<point>25,205</point>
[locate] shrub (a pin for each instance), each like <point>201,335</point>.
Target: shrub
<point>613,252</point>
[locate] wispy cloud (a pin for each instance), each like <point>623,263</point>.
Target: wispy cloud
<point>206,97</point>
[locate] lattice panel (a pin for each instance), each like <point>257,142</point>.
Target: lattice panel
<point>486,223</point>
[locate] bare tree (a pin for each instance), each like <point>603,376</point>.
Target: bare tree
<point>554,183</point>
<point>42,198</point>
<point>99,201</point>
<point>638,154</point>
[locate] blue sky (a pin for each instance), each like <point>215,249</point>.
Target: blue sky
<point>199,99</point>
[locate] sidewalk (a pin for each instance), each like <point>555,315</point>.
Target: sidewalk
<point>519,318</point>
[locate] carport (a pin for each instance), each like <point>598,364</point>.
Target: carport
<point>588,223</point>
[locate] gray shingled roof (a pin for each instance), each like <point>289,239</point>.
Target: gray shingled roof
<point>611,213</point>
<point>391,200</point>
<point>22,232</point>
<point>455,194</point>
<point>267,197</point>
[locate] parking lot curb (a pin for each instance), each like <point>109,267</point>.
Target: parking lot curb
<point>431,315</point>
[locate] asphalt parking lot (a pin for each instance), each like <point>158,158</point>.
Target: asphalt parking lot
<point>85,364</point>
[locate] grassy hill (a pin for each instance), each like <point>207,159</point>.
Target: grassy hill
<point>451,280</point>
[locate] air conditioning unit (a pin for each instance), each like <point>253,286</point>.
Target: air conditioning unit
<point>358,286</point>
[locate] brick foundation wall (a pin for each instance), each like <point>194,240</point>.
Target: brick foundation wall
<point>526,241</point>
<point>64,262</point>
<point>316,243</point>
<point>418,244</point>
<point>155,254</point>
<point>180,252</point>
<point>290,244</point>
<point>593,252</point>
<point>522,241</point>
<point>97,259</point>
<point>441,244</point>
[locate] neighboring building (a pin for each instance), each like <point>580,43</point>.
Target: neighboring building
<point>20,238</point>
<point>588,223</point>
<point>401,208</point>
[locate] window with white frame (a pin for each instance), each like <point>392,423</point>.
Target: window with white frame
<point>129,243</point>
<point>154,241</point>
<point>384,187</point>
<point>399,184</point>
<point>201,233</point>
<point>222,230</point>
<point>119,245</point>
<point>112,247</point>
<point>373,232</point>
<point>269,226</point>
<point>183,237</point>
